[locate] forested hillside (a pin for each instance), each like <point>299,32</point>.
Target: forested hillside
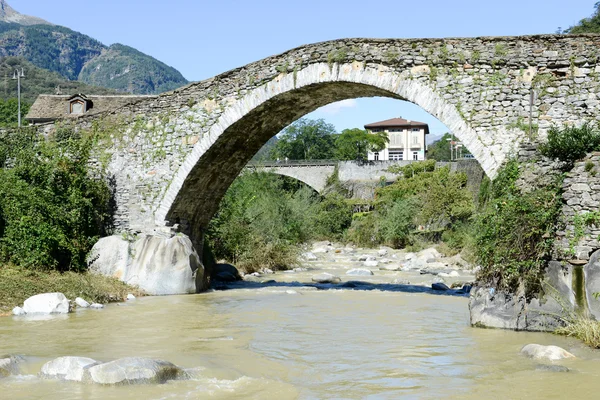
<point>38,80</point>
<point>76,56</point>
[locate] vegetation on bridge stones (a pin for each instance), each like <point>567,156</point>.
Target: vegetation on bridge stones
<point>571,143</point>
<point>514,232</point>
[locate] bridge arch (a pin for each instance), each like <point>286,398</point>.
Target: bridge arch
<point>252,120</point>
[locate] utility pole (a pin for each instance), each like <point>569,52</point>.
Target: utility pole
<point>17,76</point>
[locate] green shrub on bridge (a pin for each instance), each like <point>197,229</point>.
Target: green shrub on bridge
<point>514,232</point>
<point>51,210</point>
<point>569,144</point>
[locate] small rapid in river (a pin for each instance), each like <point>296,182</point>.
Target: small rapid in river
<point>283,336</point>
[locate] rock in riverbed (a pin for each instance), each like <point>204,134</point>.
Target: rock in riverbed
<point>18,311</point>
<point>326,278</point>
<point>133,370</point>
<point>158,263</point>
<point>439,286</point>
<point>9,365</point>
<point>81,303</point>
<point>359,272</point>
<point>226,273</point>
<point>47,303</point>
<point>552,353</point>
<point>66,368</point>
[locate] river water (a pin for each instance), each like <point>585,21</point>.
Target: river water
<point>286,340</point>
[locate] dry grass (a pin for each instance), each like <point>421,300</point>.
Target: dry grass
<point>17,284</point>
<point>584,329</point>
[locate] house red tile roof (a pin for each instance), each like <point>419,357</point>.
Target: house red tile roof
<point>398,123</point>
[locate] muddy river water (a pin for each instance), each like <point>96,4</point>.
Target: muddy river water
<point>292,339</point>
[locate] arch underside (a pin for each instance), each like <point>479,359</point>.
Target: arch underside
<point>199,197</point>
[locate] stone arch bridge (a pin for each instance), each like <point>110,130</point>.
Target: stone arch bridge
<point>172,157</point>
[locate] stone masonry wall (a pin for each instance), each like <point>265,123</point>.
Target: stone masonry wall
<point>581,193</point>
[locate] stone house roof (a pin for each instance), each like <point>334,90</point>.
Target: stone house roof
<point>398,123</point>
<point>48,108</point>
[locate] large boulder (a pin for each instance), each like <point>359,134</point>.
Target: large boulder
<point>133,370</point>
<point>592,283</point>
<point>157,263</point>
<point>539,352</point>
<point>47,303</point>
<point>66,368</point>
<point>225,273</point>
<point>490,308</point>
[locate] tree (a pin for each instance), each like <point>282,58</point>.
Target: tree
<point>587,25</point>
<point>353,144</point>
<point>440,149</point>
<point>9,111</point>
<point>306,139</point>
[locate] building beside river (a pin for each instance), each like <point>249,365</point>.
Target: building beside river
<point>406,140</point>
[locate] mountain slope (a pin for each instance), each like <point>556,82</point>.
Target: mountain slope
<point>76,56</point>
<point>122,66</point>
<point>38,80</point>
<point>8,14</point>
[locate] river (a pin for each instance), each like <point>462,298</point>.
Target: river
<point>285,340</point>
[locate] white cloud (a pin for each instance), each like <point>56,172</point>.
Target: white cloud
<point>335,108</point>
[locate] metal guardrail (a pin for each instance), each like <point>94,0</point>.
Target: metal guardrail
<point>320,163</point>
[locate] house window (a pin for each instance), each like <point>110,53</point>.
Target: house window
<point>375,130</point>
<point>415,138</point>
<point>396,155</point>
<point>376,156</point>
<point>396,140</point>
<point>415,129</point>
<point>415,155</point>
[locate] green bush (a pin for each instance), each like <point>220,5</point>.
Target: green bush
<point>51,210</point>
<point>333,216</point>
<point>397,222</point>
<point>363,231</point>
<point>570,144</point>
<point>514,232</point>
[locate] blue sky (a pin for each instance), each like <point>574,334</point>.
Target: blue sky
<point>204,38</point>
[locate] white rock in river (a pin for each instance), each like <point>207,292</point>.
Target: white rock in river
<point>371,264</point>
<point>157,263</point>
<point>81,303</point>
<point>96,306</point>
<point>308,256</point>
<point>382,252</point>
<point>130,296</point>
<point>133,370</point>
<point>67,368</point>
<point>46,303</point>
<point>553,353</point>
<point>391,267</point>
<point>326,278</point>
<point>359,272</point>
<point>9,366</point>
<point>18,311</point>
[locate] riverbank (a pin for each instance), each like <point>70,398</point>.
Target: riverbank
<point>17,284</point>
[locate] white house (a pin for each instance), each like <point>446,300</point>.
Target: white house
<point>407,139</point>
